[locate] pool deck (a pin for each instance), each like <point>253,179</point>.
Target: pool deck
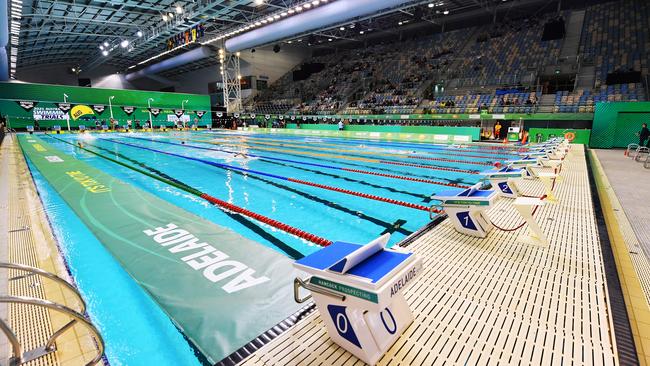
<point>495,300</point>
<point>623,190</point>
<point>29,241</point>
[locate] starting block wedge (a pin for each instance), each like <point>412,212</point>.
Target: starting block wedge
<point>358,290</point>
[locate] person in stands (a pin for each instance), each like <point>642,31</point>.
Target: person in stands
<point>644,134</point>
<point>497,131</point>
<point>340,125</point>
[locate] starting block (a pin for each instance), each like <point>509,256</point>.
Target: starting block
<point>358,290</point>
<point>467,209</point>
<point>525,207</point>
<point>504,180</point>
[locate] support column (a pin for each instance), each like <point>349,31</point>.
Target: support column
<point>231,76</point>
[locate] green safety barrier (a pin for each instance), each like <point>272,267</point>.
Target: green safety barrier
<point>442,138</point>
<point>222,290</point>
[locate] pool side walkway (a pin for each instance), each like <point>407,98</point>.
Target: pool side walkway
<point>30,242</point>
<point>495,300</point>
<point>624,194</point>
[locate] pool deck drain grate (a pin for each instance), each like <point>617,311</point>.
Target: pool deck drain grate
<point>494,300</point>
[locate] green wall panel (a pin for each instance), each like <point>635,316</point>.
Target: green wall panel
<point>474,132</point>
<point>47,95</point>
<point>582,136</point>
<point>615,123</point>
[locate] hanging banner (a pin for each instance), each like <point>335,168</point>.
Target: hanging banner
<point>199,113</point>
<point>26,105</point>
<point>267,116</point>
<point>48,114</point>
<point>280,118</point>
<point>304,118</point>
<point>236,115</point>
<point>219,114</point>
<point>98,108</point>
<point>80,110</point>
<point>128,110</point>
<point>154,111</point>
<point>189,36</point>
<point>179,112</point>
<point>293,118</point>
<point>253,115</point>
<point>64,107</point>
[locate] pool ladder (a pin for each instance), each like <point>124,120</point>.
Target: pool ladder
<point>20,357</point>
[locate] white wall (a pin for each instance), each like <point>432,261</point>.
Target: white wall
<point>268,63</point>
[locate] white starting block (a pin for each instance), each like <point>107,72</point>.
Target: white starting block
<point>525,207</point>
<point>358,290</point>
<point>467,209</point>
<point>505,179</point>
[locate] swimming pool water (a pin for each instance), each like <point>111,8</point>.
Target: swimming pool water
<point>328,214</point>
<point>250,171</point>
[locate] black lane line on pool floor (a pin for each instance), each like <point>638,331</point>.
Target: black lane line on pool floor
<point>343,155</point>
<point>284,247</point>
<point>353,142</point>
<point>390,189</point>
<point>389,227</point>
<point>392,171</point>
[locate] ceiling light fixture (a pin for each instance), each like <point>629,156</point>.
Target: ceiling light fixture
<point>179,10</point>
<point>105,53</point>
<point>124,43</point>
<point>139,34</point>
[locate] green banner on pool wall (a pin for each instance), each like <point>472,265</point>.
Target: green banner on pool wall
<point>221,289</point>
<point>616,123</point>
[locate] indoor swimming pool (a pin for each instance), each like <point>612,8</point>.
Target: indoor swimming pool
<point>287,196</point>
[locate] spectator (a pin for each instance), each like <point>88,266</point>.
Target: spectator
<point>643,135</point>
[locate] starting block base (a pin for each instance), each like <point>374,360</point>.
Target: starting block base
<point>525,207</point>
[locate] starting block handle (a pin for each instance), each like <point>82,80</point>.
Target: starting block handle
<point>298,283</point>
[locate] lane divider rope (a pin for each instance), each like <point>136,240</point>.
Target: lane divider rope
<point>229,206</point>
<point>393,176</point>
<point>251,171</point>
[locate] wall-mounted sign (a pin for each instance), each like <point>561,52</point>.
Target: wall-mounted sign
<point>99,109</point>
<point>26,105</point>
<point>80,110</point>
<point>155,111</point>
<point>128,110</point>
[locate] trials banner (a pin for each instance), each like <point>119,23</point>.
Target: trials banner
<point>221,289</point>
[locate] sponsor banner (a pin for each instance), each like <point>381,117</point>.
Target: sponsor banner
<point>179,112</point>
<point>48,114</point>
<point>498,116</point>
<point>154,111</point>
<point>199,113</point>
<point>174,118</point>
<point>474,116</point>
<point>236,115</point>
<point>201,274</point>
<point>98,108</point>
<point>80,110</point>
<point>128,110</point>
<point>26,105</point>
<point>253,115</point>
<point>267,116</point>
<point>219,114</point>
<point>64,107</point>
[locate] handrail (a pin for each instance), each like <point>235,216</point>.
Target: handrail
<point>298,282</point>
<point>19,358</point>
<point>46,274</point>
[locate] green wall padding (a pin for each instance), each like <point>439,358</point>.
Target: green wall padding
<point>615,123</point>
<point>46,96</point>
<point>582,136</point>
<point>474,132</point>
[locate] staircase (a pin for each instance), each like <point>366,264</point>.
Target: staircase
<point>586,77</point>
<point>573,34</point>
<point>546,103</point>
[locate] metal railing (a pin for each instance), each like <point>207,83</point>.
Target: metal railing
<point>20,357</point>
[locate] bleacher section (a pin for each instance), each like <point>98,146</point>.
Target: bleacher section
<point>615,36</point>
<point>396,78</point>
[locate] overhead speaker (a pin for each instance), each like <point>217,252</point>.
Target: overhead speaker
<point>276,48</point>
